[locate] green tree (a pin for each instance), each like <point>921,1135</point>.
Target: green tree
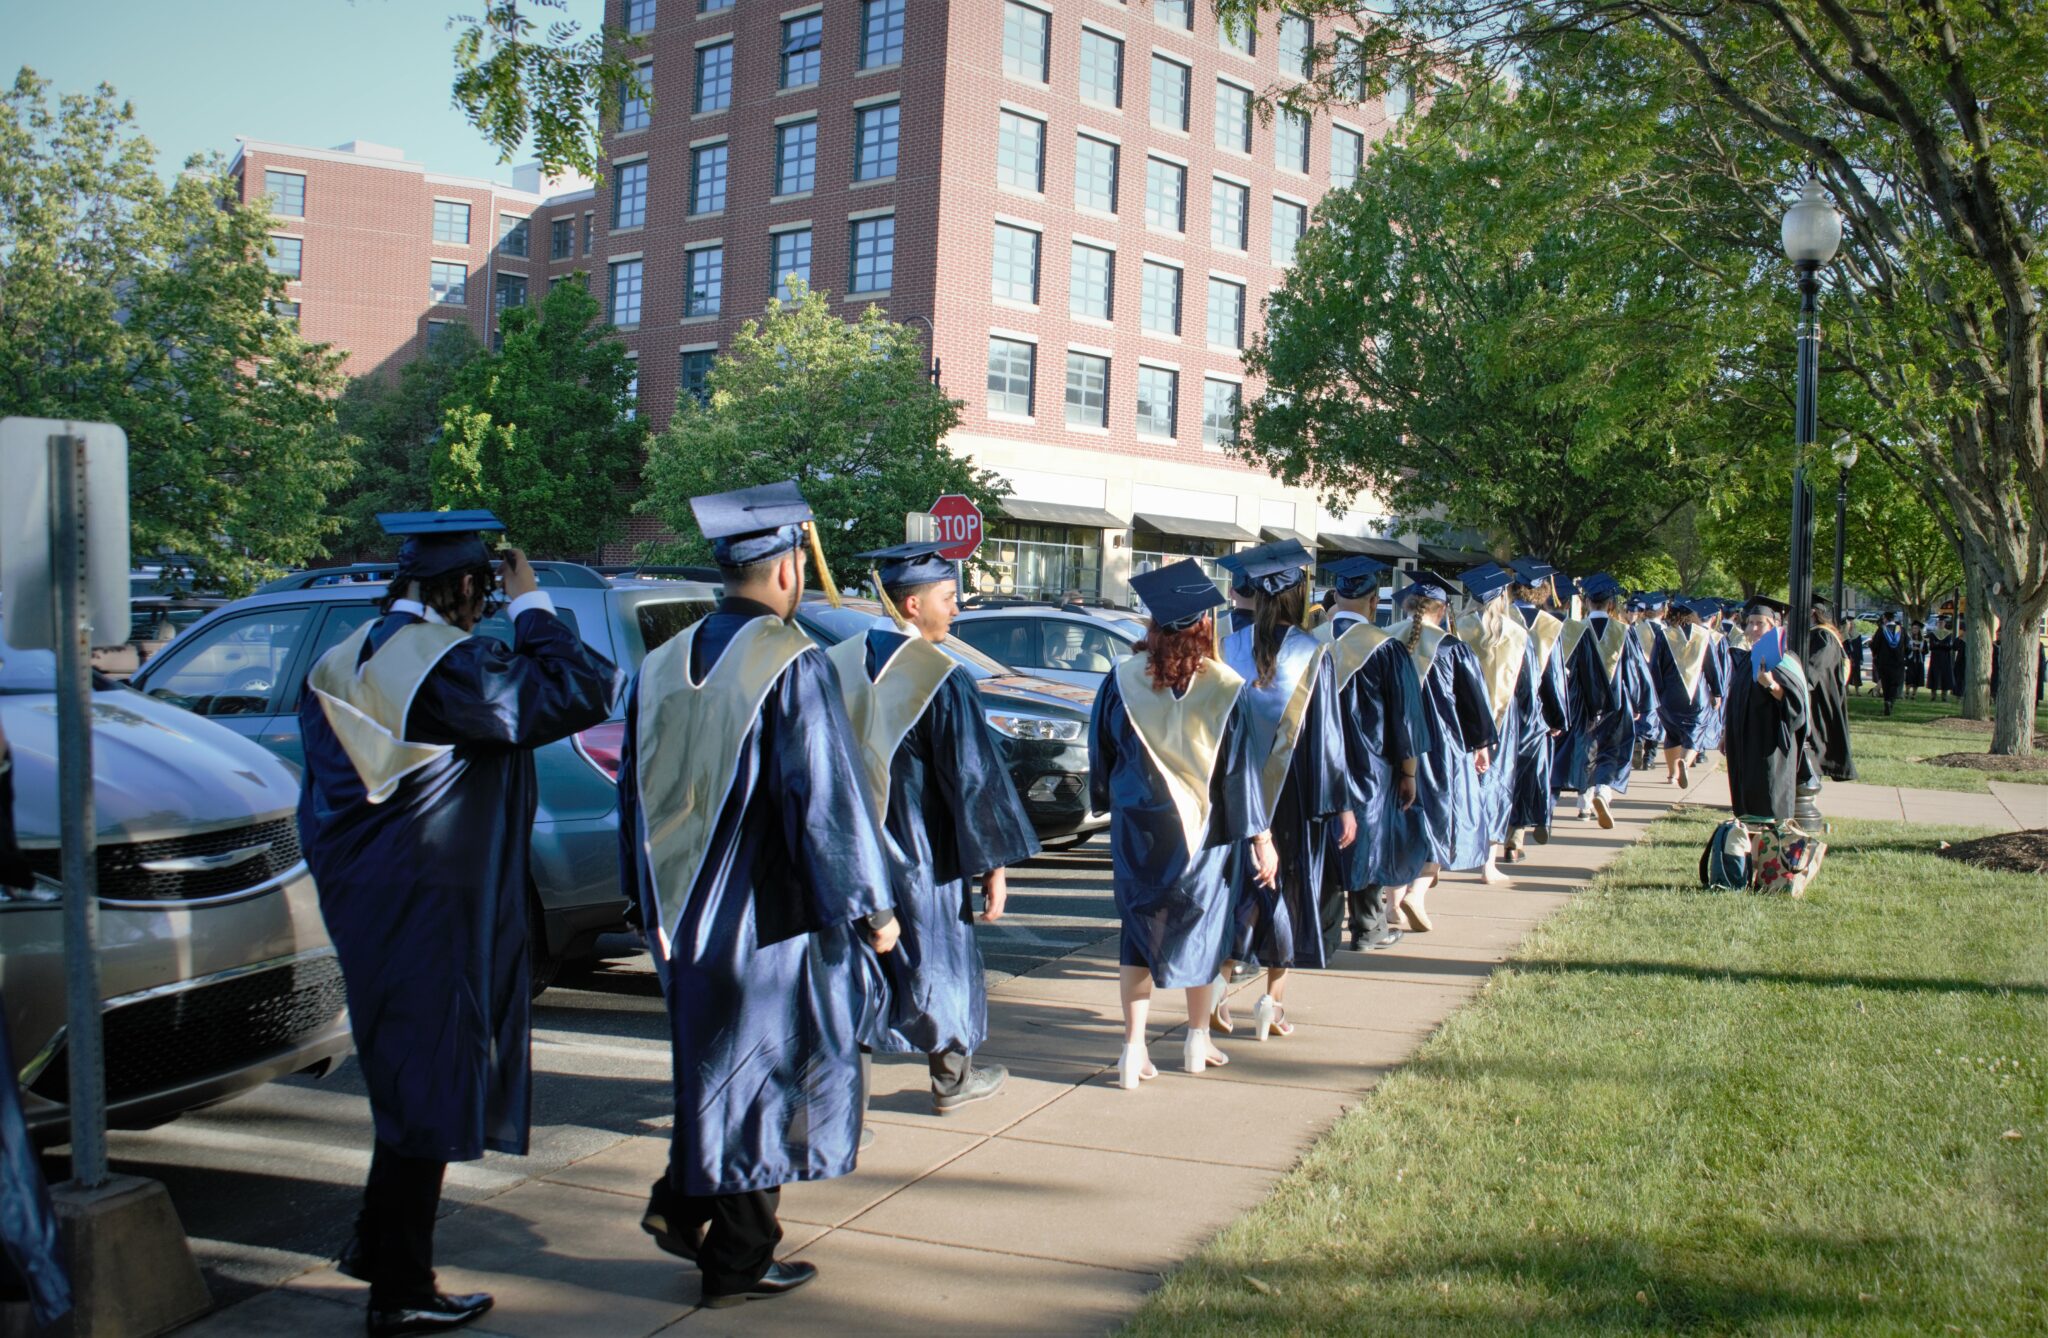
<point>523,75</point>
<point>1896,549</point>
<point>129,301</point>
<point>545,431</point>
<point>396,425</point>
<point>846,408</point>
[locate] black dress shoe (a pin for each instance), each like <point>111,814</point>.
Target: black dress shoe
<point>1387,938</point>
<point>979,1085</point>
<point>444,1312</point>
<point>354,1261</point>
<point>1542,835</point>
<point>778,1280</point>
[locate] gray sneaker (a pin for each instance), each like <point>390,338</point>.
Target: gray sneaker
<point>980,1085</point>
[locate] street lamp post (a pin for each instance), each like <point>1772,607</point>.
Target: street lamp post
<point>1845,460</point>
<point>932,335</point>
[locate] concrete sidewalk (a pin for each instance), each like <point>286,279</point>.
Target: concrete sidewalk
<point>1052,1208</point>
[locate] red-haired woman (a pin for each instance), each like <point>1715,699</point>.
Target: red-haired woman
<point>1170,761</point>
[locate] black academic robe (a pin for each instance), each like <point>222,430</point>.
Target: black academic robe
<point>1941,664</point>
<point>1829,703</point>
<point>1765,741</point>
<point>1542,716</point>
<point>1916,663</point>
<point>425,891</point>
<point>953,815</point>
<point>768,990</point>
<point>1888,650</point>
<point>1852,653</point>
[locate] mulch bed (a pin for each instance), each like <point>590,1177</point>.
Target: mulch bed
<point>2007,852</point>
<point>1956,722</point>
<point>1990,762</point>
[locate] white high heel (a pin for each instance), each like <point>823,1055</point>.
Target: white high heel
<point>1130,1068</point>
<point>1262,1016</point>
<point>1196,1054</point>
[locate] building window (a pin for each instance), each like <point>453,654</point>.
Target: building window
<point>796,157</point>
<point>707,179</point>
<point>1087,390</point>
<point>1219,412</point>
<point>1015,270</point>
<point>707,281</point>
<point>632,409</point>
<point>639,16</point>
<point>1174,14</point>
<point>589,231</point>
<point>792,251</point>
<point>629,195</point>
<point>1229,206</point>
<point>1020,153</point>
<point>714,77</point>
<point>1012,368</point>
<point>636,98</point>
<point>1297,37</point>
<point>1166,191</point>
<point>1102,68</point>
<point>283,310</point>
<point>695,381</point>
<point>1027,42</point>
<point>1169,93</point>
<point>515,235</point>
<point>1226,313</point>
<point>1159,299</point>
<point>713,6</point>
<point>1290,220</point>
<point>1091,282</point>
<point>803,42</point>
<point>288,254</point>
<point>1158,398</point>
<point>451,222</point>
<point>1347,156</point>
<point>1233,116</point>
<point>881,33</point>
<point>875,136</point>
<point>1290,140</point>
<point>510,291</point>
<point>562,239</point>
<point>1237,34</point>
<point>439,333</point>
<point>1095,163</point>
<point>449,283</point>
<point>287,192</point>
<point>624,306</point>
<point>874,255</point>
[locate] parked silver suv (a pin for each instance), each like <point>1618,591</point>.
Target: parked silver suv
<point>214,963</point>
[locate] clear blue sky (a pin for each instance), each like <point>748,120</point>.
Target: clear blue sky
<point>319,72</point>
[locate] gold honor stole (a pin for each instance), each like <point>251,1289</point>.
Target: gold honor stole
<point>687,747</point>
<point>1423,652</point>
<point>883,709</point>
<point>1610,647</point>
<point>1500,659</point>
<point>1690,654</point>
<point>1348,653</point>
<point>1548,630</point>
<point>1845,653</point>
<point>366,706</point>
<point>1182,735</point>
<point>1287,729</point>
<point>1646,633</point>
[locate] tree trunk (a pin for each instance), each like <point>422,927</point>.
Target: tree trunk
<point>1977,643</point>
<point>2012,729</point>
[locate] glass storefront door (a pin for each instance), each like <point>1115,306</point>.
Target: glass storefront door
<point>1043,562</point>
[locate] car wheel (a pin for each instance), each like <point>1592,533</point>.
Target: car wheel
<point>542,966</point>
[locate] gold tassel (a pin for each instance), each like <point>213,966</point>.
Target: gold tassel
<point>824,571</point>
<point>888,604</point>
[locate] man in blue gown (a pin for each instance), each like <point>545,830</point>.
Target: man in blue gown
<point>1535,802</point>
<point>415,817</point>
<point>748,838</point>
<point>949,813</point>
<point>1647,621</point>
<point>1609,682</point>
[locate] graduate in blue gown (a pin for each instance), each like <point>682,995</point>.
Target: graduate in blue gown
<point>1687,674</point>
<point>1500,641</point>
<point>1610,691</point>
<point>1544,718</point>
<point>1646,613</point>
<point>1379,707</point>
<point>415,816</point>
<point>1170,759</point>
<point>1291,690</point>
<point>1714,724</point>
<point>748,835</point>
<point>950,814</point>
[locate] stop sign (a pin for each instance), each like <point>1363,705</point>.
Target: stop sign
<point>959,526</point>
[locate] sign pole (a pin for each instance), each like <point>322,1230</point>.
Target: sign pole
<point>84,1059</point>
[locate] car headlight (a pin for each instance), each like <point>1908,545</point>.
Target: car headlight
<point>1036,727</point>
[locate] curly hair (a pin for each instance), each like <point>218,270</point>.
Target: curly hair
<point>1173,658</point>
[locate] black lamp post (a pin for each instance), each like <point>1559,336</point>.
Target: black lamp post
<point>1811,234</point>
<point>932,336</point>
<point>1845,460</point>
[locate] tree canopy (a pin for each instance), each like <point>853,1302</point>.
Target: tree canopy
<point>544,80</point>
<point>396,427</point>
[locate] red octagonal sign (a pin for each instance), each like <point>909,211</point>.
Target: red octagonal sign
<point>959,526</point>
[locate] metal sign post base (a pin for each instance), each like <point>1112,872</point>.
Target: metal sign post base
<point>132,1273</point>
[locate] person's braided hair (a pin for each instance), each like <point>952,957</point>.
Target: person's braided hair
<point>1415,606</point>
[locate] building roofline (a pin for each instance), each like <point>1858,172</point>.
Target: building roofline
<point>246,143</point>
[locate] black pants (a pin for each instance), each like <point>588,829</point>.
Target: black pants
<point>396,1227</point>
<point>740,1231</point>
<point>1368,914</point>
<point>949,1071</point>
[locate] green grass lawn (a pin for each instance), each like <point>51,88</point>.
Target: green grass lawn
<point>1683,1111</point>
<point>1888,751</point>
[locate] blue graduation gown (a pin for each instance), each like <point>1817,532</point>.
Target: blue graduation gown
<point>1603,710</point>
<point>1539,712</point>
<point>768,990</point>
<point>1650,724</point>
<point>1380,712</point>
<point>1686,716</point>
<point>953,815</point>
<point>1714,720</point>
<point>1455,830</point>
<point>31,1251</point>
<point>1177,906</point>
<point>1283,925</point>
<point>425,893</point>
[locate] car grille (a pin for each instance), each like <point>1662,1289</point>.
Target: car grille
<point>158,1043</point>
<point>122,876</point>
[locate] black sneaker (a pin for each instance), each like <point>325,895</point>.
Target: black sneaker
<point>979,1085</point>
<point>779,1280</point>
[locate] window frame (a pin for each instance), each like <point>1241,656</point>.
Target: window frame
<point>435,284</point>
<point>279,209</point>
<point>630,188</point>
<point>1030,376</point>
<point>1116,155</point>
<point>1185,75</point>
<point>853,268</point>
<point>711,299</point>
<point>1002,239</point>
<point>1236,344</point>
<point>615,270</point>
<point>778,272</point>
<point>1089,418</point>
<point>276,263</point>
<point>798,55</point>
<point>1172,432</point>
<point>1084,68</point>
<point>783,157</point>
<point>1178,295</point>
<point>444,209</point>
<point>1013,9</point>
<point>897,31</point>
<point>715,158</point>
<point>886,119</point>
<point>713,83</point>
<point>1243,196</point>
<point>1181,226</point>
<point>1005,116</point>
<point>1108,257</point>
<point>1236,396</point>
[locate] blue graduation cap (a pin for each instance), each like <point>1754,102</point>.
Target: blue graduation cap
<point>1355,577</point>
<point>1276,567</point>
<point>1706,609</point>
<point>438,542</point>
<point>1240,583</point>
<point>911,564</point>
<point>1599,586</point>
<point>1532,570</point>
<point>1176,595</point>
<point>752,524</point>
<point>1486,580</point>
<point>1653,600</point>
<point>1426,585</point>
<point>1776,607</point>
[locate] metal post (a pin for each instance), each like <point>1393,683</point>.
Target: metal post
<point>1805,424</point>
<point>1841,523</point>
<point>83,1055</point>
